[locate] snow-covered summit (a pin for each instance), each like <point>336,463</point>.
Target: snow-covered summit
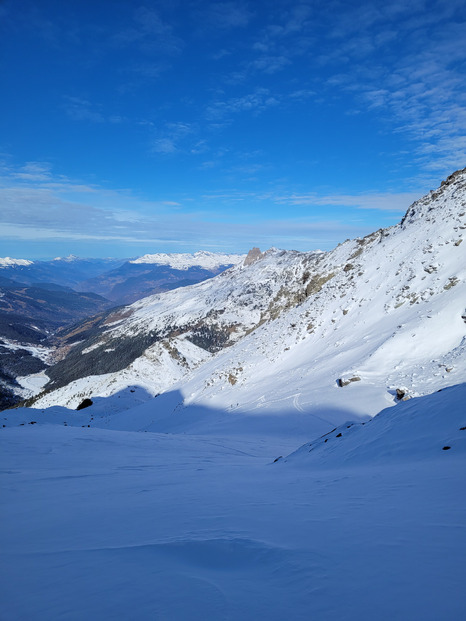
<point>9,262</point>
<point>69,259</point>
<point>183,261</point>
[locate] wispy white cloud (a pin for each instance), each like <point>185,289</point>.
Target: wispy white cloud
<point>149,32</point>
<point>32,20</point>
<point>175,137</point>
<point>419,92</point>
<point>46,234</point>
<point>33,171</point>
<point>80,109</point>
<point>222,16</point>
<point>281,40</point>
<point>397,202</point>
<point>164,145</point>
<point>33,198</point>
<point>257,101</point>
<point>41,207</point>
<point>270,64</point>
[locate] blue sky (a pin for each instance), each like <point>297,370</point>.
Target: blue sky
<point>130,127</point>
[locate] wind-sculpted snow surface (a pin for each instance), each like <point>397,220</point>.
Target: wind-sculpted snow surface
<point>371,524</point>
<point>386,310</point>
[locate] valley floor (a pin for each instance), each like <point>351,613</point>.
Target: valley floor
<point>101,524</point>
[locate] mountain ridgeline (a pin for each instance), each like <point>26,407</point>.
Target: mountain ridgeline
<point>378,312</point>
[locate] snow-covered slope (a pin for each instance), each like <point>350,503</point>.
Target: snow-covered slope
<point>384,311</point>
<point>154,372</point>
<point>183,261</point>
<point>416,429</point>
<point>101,524</point>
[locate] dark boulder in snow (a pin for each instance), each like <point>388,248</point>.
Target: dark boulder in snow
<point>344,382</point>
<point>84,404</point>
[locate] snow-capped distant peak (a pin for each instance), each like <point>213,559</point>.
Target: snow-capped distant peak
<point>68,259</point>
<point>183,261</point>
<point>8,262</point>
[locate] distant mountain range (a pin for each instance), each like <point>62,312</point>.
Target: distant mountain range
<point>69,271</point>
<point>155,273</point>
<point>39,298</point>
<point>29,316</point>
<point>49,303</point>
<point>121,280</point>
<point>184,261</point>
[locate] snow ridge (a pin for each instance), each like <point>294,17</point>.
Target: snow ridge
<point>8,262</point>
<point>69,259</point>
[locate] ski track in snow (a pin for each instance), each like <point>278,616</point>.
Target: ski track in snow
<point>296,402</point>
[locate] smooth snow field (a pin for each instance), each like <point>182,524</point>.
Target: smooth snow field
<point>367,522</point>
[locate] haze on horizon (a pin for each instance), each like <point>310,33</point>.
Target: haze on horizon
<point>168,126</point>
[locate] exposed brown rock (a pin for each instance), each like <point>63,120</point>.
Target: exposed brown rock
<point>253,255</point>
<point>345,382</point>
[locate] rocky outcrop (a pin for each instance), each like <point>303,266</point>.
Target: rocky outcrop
<point>253,255</point>
<point>86,403</point>
<point>346,382</point>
